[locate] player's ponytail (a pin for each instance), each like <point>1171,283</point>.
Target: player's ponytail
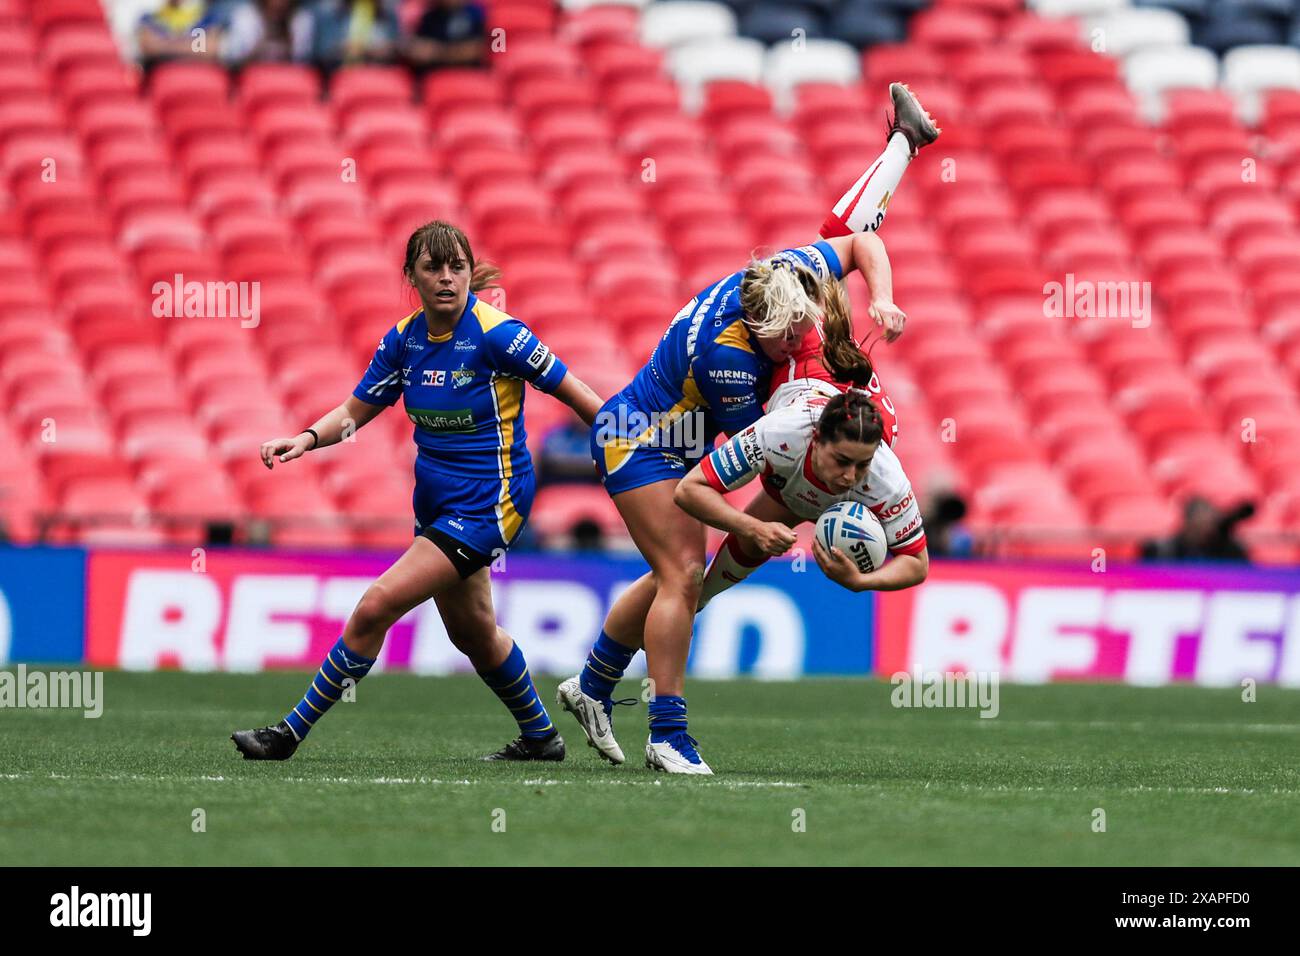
<point>850,416</point>
<point>840,352</point>
<point>776,297</point>
<point>444,242</point>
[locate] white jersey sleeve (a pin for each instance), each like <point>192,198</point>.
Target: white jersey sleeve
<point>892,500</point>
<point>774,443</point>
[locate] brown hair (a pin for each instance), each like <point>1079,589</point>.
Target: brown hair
<point>444,242</point>
<point>840,352</point>
<point>850,416</point>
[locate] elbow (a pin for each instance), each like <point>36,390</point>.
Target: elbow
<point>682,495</point>
<point>922,568</point>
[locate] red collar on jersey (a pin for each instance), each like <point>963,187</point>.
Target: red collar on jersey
<point>808,471</point>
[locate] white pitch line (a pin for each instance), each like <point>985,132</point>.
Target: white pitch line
<point>1142,725</point>
<point>716,784</point>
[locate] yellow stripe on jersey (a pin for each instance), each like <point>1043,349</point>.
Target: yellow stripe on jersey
<point>489,317</point>
<point>403,323</point>
<point>507,395</point>
<point>737,336</point>
<point>691,395</point>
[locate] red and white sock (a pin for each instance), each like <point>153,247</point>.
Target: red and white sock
<point>862,208</point>
<point>729,566</point>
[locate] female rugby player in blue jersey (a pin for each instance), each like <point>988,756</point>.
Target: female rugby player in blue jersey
<point>460,366</point>
<point>709,374</point>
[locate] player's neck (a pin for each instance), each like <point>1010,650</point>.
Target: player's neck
<point>441,325</point>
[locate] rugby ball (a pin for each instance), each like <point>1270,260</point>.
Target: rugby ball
<point>851,527</point>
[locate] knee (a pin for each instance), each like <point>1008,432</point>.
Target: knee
<point>685,577</point>
<point>374,613</point>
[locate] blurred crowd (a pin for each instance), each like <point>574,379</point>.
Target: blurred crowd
<point>423,34</point>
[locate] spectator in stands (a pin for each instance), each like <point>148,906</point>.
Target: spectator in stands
<point>448,33</point>
<point>178,30</point>
<point>352,31</point>
<point>944,531</point>
<point>587,536</point>
<point>267,31</point>
<point>1206,535</point>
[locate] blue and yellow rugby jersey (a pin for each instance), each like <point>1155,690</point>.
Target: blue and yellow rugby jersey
<point>708,358</point>
<point>464,390</point>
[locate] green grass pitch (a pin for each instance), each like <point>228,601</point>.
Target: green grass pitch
<point>1185,776</point>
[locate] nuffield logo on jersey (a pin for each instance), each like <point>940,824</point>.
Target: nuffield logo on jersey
<point>442,419</point>
<point>682,431</point>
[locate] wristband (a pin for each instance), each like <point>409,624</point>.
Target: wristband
<point>315,439</point>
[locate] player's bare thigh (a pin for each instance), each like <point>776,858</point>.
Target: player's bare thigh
<point>667,537</point>
<point>670,540</point>
<point>419,574</point>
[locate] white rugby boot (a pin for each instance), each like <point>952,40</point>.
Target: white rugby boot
<point>593,717</point>
<point>677,754</point>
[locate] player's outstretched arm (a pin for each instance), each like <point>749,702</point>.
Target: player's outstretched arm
<point>701,500</point>
<point>578,395</point>
<point>331,427</point>
<point>902,571</point>
<point>865,251</point>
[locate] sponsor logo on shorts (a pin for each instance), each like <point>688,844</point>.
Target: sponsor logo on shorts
<point>621,426</point>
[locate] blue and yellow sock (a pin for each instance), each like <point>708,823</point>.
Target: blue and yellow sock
<point>667,717</point>
<point>514,685</point>
<point>326,687</point>
<point>606,662</point>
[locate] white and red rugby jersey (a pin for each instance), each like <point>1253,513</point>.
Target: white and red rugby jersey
<point>776,449</point>
<point>806,365</point>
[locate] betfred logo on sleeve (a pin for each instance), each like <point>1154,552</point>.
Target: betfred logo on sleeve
<point>729,463</point>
